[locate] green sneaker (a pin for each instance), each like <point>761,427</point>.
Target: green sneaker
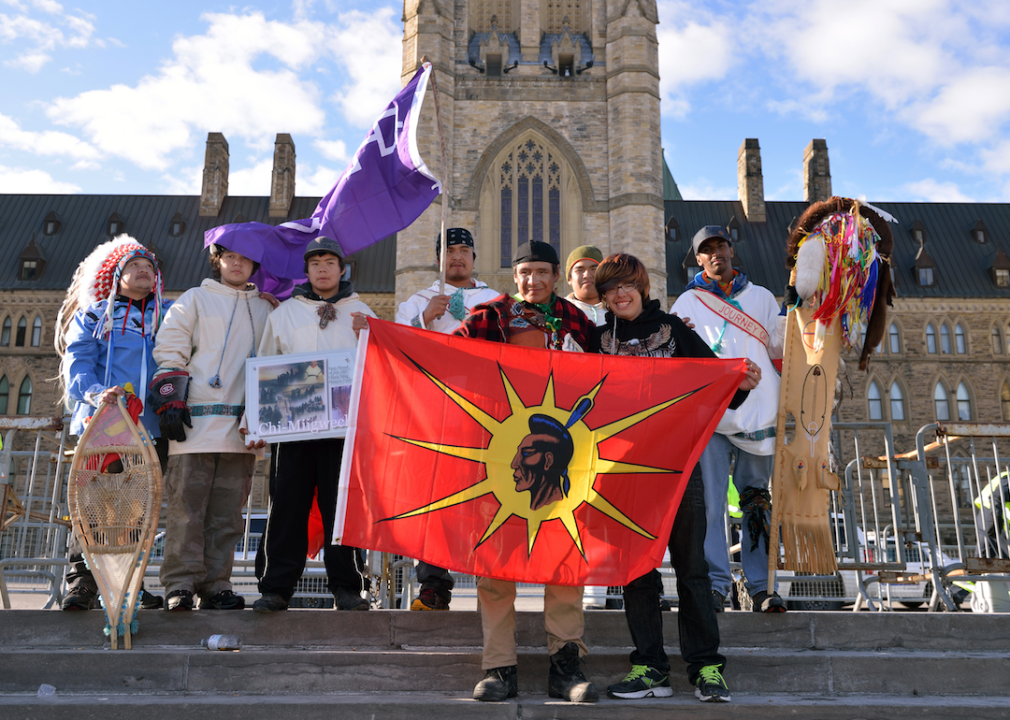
<point>710,686</point>
<point>641,682</point>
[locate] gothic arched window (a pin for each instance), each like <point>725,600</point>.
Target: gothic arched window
<point>897,402</point>
<point>530,198</point>
<point>940,402</point>
<point>25,397</point>
<point>873,397</point>
<point>530,192</point>
<point>963,403</point>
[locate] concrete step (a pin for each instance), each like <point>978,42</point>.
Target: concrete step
<point>259,670</point>
<point>397,629</point>
<point>420,706</point>
<point>822,658</point>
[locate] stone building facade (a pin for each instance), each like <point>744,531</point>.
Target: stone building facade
<point>567,152</point>
<point>550,117</point>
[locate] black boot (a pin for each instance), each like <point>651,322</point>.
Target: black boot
<point>498,684</point>
<point>566,680</point>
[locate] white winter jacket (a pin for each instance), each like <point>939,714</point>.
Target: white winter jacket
<point>208,332</point>
<point>294,326</point>
<point>411,312</point>
<point>760,410</point>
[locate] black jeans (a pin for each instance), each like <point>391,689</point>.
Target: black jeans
<point>435,578</point>
<point>302,468</point>
<point>696,618</point>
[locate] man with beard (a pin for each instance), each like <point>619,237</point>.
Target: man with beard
<point>444,313</point>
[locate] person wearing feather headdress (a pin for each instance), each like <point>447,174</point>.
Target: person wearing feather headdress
<point>737,318</point>
<point>105,337</point>
<point>637,326</point>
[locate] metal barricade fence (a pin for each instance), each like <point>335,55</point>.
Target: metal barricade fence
<point>34,524</point>
<point>963,503</point>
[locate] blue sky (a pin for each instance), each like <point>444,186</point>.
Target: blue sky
<point>912,96</point>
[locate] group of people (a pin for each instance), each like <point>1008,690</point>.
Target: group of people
<point>186,362</point>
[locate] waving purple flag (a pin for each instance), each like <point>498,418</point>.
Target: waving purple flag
<point>384,189</point>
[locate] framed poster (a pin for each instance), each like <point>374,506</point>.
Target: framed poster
<point>305,396</point>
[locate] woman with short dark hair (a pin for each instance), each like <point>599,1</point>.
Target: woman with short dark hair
<point>638,326</point>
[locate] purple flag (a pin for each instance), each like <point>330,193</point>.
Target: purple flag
<point>384,189</point>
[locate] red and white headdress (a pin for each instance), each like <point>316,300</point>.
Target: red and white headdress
<point>97,279</point>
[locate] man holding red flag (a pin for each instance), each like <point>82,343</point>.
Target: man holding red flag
<point>323,314</point>
<point>444,313</point>
<point>542,320</point>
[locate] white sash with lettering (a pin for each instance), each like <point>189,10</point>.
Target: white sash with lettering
<point>732,315</point>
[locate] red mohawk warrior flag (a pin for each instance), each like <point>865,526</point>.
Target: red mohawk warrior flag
<point>518,463</point>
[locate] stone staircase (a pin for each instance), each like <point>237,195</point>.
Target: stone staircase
<point>393,664</point>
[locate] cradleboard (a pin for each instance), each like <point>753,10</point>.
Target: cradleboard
<point>839,253</point>
<point>802,481</point>
<point>115,500</point>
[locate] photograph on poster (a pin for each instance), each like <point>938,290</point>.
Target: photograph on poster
<point>341,373</point>
<point>306,396</point>
<point>292,398</point>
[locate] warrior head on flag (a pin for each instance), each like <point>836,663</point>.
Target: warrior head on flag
<point>386,186</point>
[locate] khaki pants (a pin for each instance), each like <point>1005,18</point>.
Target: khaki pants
<point>205,493</point>
<point>563,620</point>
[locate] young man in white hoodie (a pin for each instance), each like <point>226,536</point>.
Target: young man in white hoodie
<point>444,313</point>
<point>323,314</point>
<point>201,351</point>
<point>737,319</point>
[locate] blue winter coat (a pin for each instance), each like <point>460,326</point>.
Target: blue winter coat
<point>85,366</point>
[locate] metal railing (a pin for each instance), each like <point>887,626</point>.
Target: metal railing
<point>34,523</point>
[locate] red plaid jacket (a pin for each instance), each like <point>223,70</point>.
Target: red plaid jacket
<point>489,321</point>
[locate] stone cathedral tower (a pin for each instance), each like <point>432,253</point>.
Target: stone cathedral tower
<point>550,112</point>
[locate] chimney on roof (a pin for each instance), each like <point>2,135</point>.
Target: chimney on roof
<point>816,172</point>
<point>215,175</point>
<point>750,181</point>
<point>282,181</point>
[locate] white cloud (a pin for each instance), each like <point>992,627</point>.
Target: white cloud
<point>318,181</point>
<point>930,190</point>
<point>333,150</point>
<point>254,180</point>
<point>43,36</point>
<point>940,65</point>
<point>33,182</point>
<point>213,83</point>
<point>702,189</point>
<point>48,142</point>
<point>368,45</point>
<point>694,47</point>
<point>996,159</point>
<point>969,108</point>
<point>185,181</point>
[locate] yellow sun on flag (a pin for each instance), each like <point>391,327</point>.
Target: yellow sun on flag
<point>555,459</point>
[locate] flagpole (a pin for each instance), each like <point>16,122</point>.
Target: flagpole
<point>445,179</point>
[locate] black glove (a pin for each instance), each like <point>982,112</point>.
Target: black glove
<point>172,420</point>
<point>169,392</point>
<point>792,298</point>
